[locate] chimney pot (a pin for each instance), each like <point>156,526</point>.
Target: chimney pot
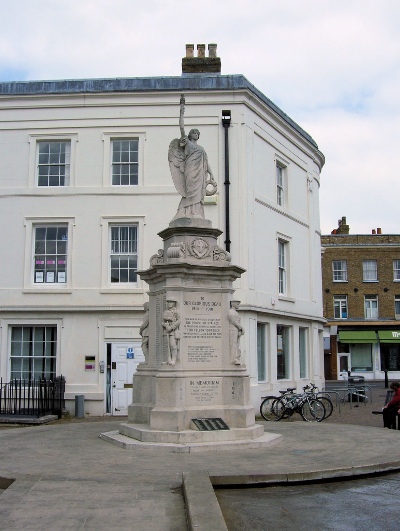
<point>201,50</point>
<point>212,50</point>
<point>189,50</point>
<point>379,230</point>
<point>373,231</point>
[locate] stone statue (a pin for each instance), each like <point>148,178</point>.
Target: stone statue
<point>171,322</point>
<point>144,331</point>
<point>235,332</point>
<point>189,167</point>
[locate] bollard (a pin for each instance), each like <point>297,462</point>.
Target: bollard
<point>79,406</point>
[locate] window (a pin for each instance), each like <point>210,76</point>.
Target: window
<point>261,352</point>
<point>371,306</point>
<point>340,306</point>
<point>370,271</point>
<point>123,255</point>
<point>282,348</point>
<point>124,166</point>
<point>361,357</point>
<point>50,254</point>
<point>282,284</point>
<point>303,352</point>
<point>339,268</point>
<point>53,167</point>
<point>33,352</point>
<point>280,189</point>
<point>397,305</point>
<point>396,270</point>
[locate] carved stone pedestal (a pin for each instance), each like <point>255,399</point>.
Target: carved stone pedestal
<point>190,371</point>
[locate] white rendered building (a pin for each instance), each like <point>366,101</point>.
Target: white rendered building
<point>85,187</point>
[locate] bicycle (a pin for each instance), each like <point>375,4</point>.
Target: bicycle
<point>322,397</point>
<point>275,408</point>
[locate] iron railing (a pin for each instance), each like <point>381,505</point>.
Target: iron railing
<point>32,398</point>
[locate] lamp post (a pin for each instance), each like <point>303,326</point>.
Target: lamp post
<point>226,122</point>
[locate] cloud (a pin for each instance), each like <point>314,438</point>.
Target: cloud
<point>334,67</point>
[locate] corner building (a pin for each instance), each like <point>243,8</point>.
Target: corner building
<point>361,291</point>
<point>85,188</point>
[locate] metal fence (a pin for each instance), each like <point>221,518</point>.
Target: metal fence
<point>32,398</point>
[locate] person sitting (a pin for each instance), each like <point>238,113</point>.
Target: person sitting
<point>392,408</point>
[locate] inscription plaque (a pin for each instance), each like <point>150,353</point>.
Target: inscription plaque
<point>205,391</point>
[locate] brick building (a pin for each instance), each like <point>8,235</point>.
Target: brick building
<point>361,297</point>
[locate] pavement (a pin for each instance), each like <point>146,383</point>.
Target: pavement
<point>66,477</point>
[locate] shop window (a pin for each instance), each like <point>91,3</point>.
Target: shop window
<point>361,357</point>
<point>303,348</point>
<point>390,357</point>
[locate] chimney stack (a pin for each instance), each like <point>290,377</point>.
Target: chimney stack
<point>343,228</point>
<point>201,64</point>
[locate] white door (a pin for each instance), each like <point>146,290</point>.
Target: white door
<point>125,358</point>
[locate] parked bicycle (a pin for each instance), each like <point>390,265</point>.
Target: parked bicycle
<point>310,408</point>
<point>322,396</point>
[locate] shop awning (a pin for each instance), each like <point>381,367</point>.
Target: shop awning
<point>357,336</point>
<point>389,336</point>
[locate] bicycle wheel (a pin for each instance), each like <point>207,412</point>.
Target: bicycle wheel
<point>272,408</point>
<point>313,410</point>
<point>327,405</point>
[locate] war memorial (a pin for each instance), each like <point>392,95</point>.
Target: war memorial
<point>193,390</point>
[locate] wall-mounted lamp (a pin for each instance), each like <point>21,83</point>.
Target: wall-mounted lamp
<point>226,118</point>
<point>385,290</point>
<point>355,290</point>
<point>327,290</point>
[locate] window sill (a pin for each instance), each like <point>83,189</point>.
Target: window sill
<point>370,281</point>
<point>340,281</point>
<point>122,289</point>
<point>285,298</point>
<point>47,290</point>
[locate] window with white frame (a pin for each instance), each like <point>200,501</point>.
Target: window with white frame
<point>340,306</point>
<point>261,352</point>
<point>397,305</point>
<point>370,271</point>
<point>123,253</point>
<point>50,254</point>
<point>371,306</point>
<point>53,163</point>
<point>339,269</point>
<point>280,184</point>
<point>125,162</point>
<point>283,352</point>
<point>33,352</point>
<point>396,270</point>
<point>303,346</point>
<point>282,267</point>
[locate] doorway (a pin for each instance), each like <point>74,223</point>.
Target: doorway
<point>122,361</point>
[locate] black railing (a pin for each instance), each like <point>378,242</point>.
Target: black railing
<point>32,398</point>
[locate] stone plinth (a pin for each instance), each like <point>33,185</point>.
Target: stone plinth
<point>189,371</point>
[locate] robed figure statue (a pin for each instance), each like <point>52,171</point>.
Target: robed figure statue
<point>189,167</point>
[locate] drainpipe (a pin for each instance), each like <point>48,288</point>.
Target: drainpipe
<point>226,122</point>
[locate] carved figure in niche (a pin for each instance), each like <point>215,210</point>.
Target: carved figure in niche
<point>171,323</point>
<point>189,167</point>
<point>235,332</point>
<point>144,331</point>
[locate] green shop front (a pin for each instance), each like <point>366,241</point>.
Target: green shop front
<point>369,352</point>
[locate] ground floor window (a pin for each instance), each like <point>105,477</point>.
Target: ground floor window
<point>361,357</point>
<point>282,352</point>
<point>261,352</point>
<point>33,352</point>
<point>390,357</point>
<point>303,352</point>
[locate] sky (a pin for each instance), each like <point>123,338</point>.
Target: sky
<point>332,65</point>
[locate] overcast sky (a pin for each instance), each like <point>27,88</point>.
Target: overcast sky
<point>332,65</point>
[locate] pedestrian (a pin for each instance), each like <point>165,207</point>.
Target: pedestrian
<point>392,408</point>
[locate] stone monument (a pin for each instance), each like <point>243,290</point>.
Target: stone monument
<point>193,391</point>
